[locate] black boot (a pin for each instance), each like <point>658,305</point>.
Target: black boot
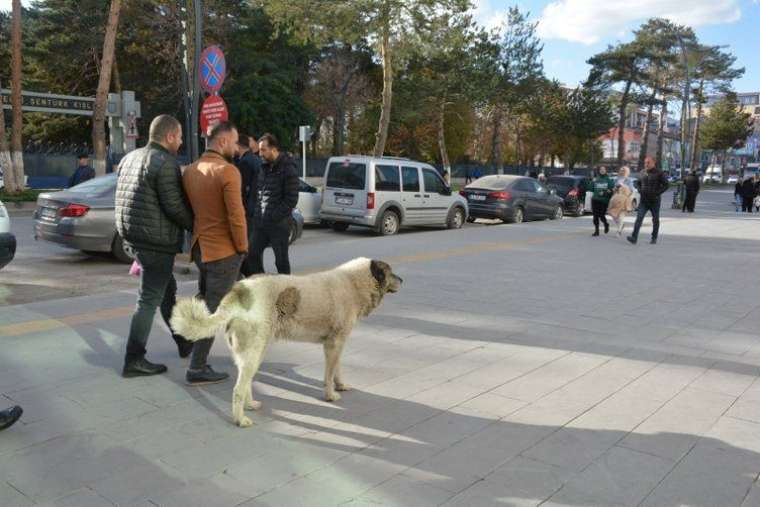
<point>142,368</point>
<point>9,416</point>
<point>631,240</point>
<point>596,233</point>
<point>205,376</point>
<point>606,227</point>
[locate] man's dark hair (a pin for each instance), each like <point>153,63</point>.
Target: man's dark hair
<point>219,129</point>
<point>271,140</point>
<point>162,126</point>
<point>243,140</point>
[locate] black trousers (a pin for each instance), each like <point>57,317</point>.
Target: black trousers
<point>599,209</point>
<point>689,202</point>
<point>276,236</point>
<point>215,281</point>
<point>652,206</point>
<point>158,288</point>
<point>747,204</point>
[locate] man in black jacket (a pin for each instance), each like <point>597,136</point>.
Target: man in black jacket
<point>248,163</point>
<point>276,196</point>
<point>691,184</point>
<point>654,183</point>
<point>152,213</point>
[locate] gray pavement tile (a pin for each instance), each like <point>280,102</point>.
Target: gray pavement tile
<point>446,428</point>
<point>137,483</point>
<point>753,496</point>
<point>401,490</point>
<point>493,404</point>
<point>11,497</point>
<point>200,493</point>
<point>81,498</point>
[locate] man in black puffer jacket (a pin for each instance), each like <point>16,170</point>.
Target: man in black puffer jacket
<point>276,196</point>
<point>152,214</point>
<point>654,183</point>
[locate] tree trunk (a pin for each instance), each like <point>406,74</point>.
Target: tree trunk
<point>385,111</point>
<point>621,123</point>
<point>645,134</point>
<point>723,166</point>
<point>101,97</point>
<point>661,132</point>
<point>5,157</point>
<point>496,158</point>
<point>695,136</point>
<point>339,129</point>
<point>16,182</point>
<point>116,77</point>
<point>442,141</point>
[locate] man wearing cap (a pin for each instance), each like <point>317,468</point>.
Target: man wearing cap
<point>83,172</point>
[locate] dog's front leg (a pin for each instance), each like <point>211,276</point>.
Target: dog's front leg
<point>333,349</point>
<point>339,384</point>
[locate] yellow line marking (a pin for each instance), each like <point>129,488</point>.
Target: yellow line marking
<point>40,325</point>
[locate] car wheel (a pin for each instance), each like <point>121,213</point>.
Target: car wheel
<point>519,216</point>
<point>119,251</point>
<point>456,219</point>
<point>389,224</point>
<point>558,213</point>
<point>339,226</point>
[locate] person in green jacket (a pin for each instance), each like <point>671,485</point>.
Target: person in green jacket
<point>603,187</point>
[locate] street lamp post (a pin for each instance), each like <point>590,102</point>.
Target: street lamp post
<point>196,78</point>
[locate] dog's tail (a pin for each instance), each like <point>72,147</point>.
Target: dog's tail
<point>191,319</point>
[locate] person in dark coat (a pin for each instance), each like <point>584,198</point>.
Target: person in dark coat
<point>83,171</point>
<point>248,163</point>
<point>653,184</point>
<point>691,184</point>
<point>748,195</point>
<point>276,196</point>
<point>152,213</point>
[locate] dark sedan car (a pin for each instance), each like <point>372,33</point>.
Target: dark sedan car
<point>83,217</point>
<point>572,190</point>
<point>511,199</point>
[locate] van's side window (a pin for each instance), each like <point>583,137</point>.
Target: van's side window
<point>433,182</point>
<point>411,179</point>
<point>387,178</point>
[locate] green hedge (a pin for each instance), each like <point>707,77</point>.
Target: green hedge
<point>28,195</point>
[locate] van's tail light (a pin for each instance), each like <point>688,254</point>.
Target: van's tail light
<point>370,200</point>
<point>74,210</point>
<point>500,196</point>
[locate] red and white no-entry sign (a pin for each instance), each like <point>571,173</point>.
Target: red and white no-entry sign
<point>213,111</point>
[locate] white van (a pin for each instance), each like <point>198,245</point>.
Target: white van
<point>713,174</point>
<point>386,193</point>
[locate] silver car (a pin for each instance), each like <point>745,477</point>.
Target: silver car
<point>83,217</point>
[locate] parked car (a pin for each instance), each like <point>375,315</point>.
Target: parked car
<point>309,202</point>
<point>635,198</point>
<point>733,179</point>
<point>7,239</point>
<point>713,174</point>
<point>83,217</point>
<point>511,199</point>
<point>386,193</point>
<point>572,189</point>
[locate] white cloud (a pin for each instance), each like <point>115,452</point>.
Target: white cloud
<point>488,16</point>
<point>588,21</point>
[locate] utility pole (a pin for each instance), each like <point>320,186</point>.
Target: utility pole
<point>196,78</point>
<point>185,74</point>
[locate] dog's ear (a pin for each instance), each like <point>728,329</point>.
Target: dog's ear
<point>378,270</point>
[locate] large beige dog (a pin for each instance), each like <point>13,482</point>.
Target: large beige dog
<point>320,308</point>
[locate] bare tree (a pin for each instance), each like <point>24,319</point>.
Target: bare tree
<point>101,97</point>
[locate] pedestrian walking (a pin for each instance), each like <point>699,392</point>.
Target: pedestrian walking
<point>467,176</point>
<point>654,183</point>
<point>477,173</point>
<point>83,172</point>
<point>748,195</point>
<point>621,202</point>
<point>276,196</point>
<point>9,416</point>
<point>691,184</point>
<point>248,163</point>
<point>738,196</point>
<point>603,187</point>
<point>152,214</point>
<point>220,239</point>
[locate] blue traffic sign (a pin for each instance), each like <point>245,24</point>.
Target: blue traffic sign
<point>213,69</point>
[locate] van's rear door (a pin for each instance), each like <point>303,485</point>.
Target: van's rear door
<point>345,190</point>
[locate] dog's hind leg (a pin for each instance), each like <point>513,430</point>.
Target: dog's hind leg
<point>239,394</point>
<point>256,356</point>
<point>333,350</point>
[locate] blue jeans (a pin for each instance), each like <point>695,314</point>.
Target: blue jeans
<point>648,205</point>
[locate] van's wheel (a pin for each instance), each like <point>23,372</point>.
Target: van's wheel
<point>119,251</point>
<point>339,226</point>
<point>456,219</point>
<point>388,224</point>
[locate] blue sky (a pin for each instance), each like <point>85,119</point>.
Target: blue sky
<point>573,30</point>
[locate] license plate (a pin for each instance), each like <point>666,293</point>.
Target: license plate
<point>49,213</point>
<point>346,201</point>
<point>477,198</point>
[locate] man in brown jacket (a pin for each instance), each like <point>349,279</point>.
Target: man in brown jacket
<point>220,237</point>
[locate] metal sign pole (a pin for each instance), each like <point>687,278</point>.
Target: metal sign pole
<point>196,77</point>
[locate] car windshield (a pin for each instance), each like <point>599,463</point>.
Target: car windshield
<point>491,182</point>
<point>96,185</point>
<point>347,175</point>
